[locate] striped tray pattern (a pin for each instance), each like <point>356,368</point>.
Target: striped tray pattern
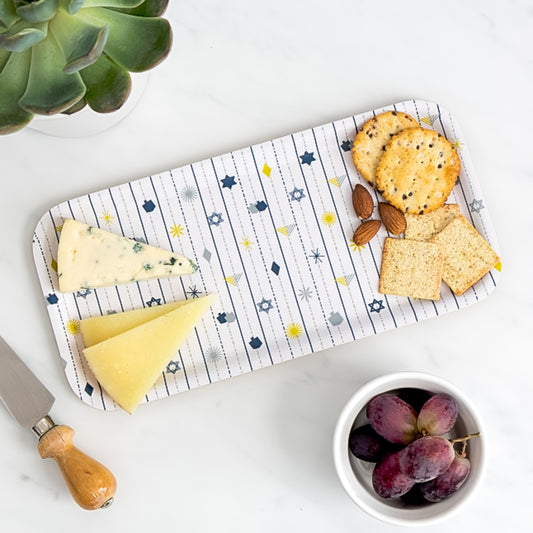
<point>270,227</point>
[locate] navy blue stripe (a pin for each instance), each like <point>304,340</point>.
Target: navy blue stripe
<point>280,248</point>
<point>213,240</point>
<point>353,263</point>
<point>312,205</point>
<point>180,279</point>
<point>197,259</point>
<point>242,263</point>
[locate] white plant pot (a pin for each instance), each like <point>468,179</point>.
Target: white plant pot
<point>87,122</point>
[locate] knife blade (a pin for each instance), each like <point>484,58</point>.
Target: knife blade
<point>91,484</point>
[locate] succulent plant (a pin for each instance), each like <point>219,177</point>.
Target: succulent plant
<point>57,56</point>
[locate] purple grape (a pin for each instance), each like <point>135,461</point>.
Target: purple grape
<point>426,458</point>
<point>392,418</point>
<point>438,415</point>
<point>414,496</point>
<point>447,483</point>
<point>367,445</point>
<point>416,398</point>
<point>387,478</point>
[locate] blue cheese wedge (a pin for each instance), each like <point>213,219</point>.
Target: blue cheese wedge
<point>90,257</point>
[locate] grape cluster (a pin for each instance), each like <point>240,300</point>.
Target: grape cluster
<point>406,438</point>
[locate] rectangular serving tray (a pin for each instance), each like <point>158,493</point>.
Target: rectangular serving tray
<point>270,227</point>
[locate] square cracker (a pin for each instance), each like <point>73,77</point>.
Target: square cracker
<point>425,227</point>
<point>468,256</point>
<point>411,268</point>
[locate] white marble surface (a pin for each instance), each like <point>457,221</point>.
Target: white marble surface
<point>254,453</point>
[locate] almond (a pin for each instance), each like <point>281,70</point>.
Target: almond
<point>392,218</point>
<point>366,231</point>
<point>362,202</point>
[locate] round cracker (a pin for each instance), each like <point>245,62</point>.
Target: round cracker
<point>369,143</point>
<point>417,171</point>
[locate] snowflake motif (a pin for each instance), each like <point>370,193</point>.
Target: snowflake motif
<point>476,206</point>
<point>194,292</point>
<point>189,193</point>
<point>215,219</point>
<point>153,302</point>
<point>316,256</point>
<point>173,367</point>
<point>297,194</point>
<point>265,305</point>
<point>376,306</point>
<point>213,354</point>
<point>305,294</point>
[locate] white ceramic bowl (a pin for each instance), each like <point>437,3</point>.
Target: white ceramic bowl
<point>356,475</point>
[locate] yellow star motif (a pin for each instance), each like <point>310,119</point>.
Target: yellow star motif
<point>457,144</point>
<point>73,327</point>
<point>247,243</point>
<point>354,246</point>
<point>107,217</point>
<point>176,230</point>
<point>293,330</point>
<point>329,218</point>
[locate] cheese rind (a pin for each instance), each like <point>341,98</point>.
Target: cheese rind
<point>90,257</point>
<point>99,328</point>
<point>127,365</point>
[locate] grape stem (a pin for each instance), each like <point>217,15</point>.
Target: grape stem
<point>463,441</point>
<point>467,437</point>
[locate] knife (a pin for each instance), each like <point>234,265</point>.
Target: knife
<point>91,484</point>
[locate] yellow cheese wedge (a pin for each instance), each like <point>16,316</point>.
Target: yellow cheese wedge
<point>99,328</point>
<point>129,364</point>
<point>90,257</point>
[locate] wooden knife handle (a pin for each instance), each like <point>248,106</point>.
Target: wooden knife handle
<point>91,484</point>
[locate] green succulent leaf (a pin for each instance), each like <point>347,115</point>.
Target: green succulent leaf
<point>72,6</point>
<point>78,106</point>
<point>37,11</point>
<point>136,43</point>
<point>4,56</point>
<point>13,78</point>
<point>113,3</point>
<point>149,8</point>
<point>8,14</point>
<point>108,85</point>
<point>81,42</point>
<point>50,90</point>
<point>23,35</point>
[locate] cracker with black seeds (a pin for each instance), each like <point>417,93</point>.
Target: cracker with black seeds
<point>417,171</point>
<point>468,256</point>
<point>411,268</point>
<point>369,143</point>
<point>425,227</point>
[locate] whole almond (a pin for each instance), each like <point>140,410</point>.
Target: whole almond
<point>392,218</point>
<point>362,202</point>
<point>365,232</point>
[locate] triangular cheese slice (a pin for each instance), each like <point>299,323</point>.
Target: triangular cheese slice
<point>129,364</point>
<point>90,257</point>
<point>96,329</point>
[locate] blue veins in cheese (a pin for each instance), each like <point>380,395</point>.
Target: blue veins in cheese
<point>89,257</point>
